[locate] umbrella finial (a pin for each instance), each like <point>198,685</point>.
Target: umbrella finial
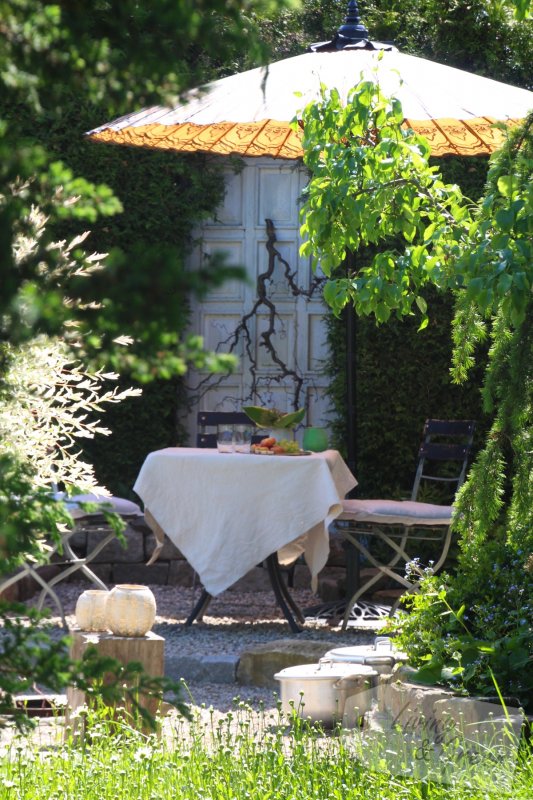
<point>353,29</point>
<point>352,35</point>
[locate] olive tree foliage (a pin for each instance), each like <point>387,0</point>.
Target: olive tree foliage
<point>371,183</point>
<point>47,394</point>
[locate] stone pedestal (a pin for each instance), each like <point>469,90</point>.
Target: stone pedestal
<point>147,650</point>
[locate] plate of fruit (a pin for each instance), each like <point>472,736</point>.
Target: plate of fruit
<point>284,447</point>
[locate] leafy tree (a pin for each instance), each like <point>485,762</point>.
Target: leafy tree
<point>372,184</point>
<point>116,54</point>
<point>161,196</point>
<point>112,55</point>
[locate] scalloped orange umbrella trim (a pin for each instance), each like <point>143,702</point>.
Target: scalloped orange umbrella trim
<point>277,139</point>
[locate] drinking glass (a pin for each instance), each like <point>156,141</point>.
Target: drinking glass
<point>243,438</point>
<point>225,439</point>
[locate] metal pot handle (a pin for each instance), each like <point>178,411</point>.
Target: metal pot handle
<point>343,687</point>
<point>341,683</point>
<point>383,642</point>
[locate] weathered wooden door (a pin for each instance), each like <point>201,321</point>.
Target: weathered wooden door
<point>275,321</point>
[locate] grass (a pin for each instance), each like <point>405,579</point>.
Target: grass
<point>242,756</point>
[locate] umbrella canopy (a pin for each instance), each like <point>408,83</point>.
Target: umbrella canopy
<point>249,114</point>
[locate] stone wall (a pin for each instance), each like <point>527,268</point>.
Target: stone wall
<point>116,563</point>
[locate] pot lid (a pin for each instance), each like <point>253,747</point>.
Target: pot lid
<point>381,652</point>
<point>324,670</point>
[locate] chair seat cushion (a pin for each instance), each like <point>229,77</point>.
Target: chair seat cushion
<point>126,508</point>
<point>396,512</point>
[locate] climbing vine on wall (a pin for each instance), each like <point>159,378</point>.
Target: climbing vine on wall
<point>243,336</point>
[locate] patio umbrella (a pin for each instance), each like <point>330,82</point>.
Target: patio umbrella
<point>249,114</point>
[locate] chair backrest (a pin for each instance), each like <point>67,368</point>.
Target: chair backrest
<point>443,454</point>
<point>210,419</point>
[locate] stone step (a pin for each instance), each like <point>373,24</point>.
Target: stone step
<point>258,665</point>
<point>202,669</point>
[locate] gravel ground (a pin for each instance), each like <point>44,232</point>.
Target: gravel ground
<point>234,622</point>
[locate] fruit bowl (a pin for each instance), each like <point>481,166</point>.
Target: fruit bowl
<point>271,447</point>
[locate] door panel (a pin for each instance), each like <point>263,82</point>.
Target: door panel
<point>258,228</point>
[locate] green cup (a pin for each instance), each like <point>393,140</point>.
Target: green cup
<point>315,439</point>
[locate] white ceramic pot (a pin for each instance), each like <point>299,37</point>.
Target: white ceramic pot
<point>320,692</point>
<point>91,610</point>
<point>130,610</point>
<point>280,434</point>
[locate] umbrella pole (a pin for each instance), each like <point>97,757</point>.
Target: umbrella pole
<point>351,374</point>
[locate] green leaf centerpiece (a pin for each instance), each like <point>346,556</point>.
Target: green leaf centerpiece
<point>272,418</point>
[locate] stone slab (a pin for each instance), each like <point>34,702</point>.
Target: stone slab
<point>78,541</point>
<point>337,553</point>
<point>258,665</point>
<point>256,580</point>
<point>102,571</point>
<point>302,577</point>
<point>331,584</point>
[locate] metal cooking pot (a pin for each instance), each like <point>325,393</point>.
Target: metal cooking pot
<point>319,692</point>
<point>381,655</point>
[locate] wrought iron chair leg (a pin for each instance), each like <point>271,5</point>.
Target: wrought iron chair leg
<point>415,587</point>
<point>76,564</point>
<point>383,569</point>
<point>445,548</point>
<point>47,589</point>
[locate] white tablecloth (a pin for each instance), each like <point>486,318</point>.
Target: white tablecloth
<point>227,512</point>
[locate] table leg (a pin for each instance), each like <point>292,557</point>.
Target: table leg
<point>283,597</point>
<point>200,608</point>
<point>285,601</point>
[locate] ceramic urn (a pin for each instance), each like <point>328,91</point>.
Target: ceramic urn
<point>130,610</point>
<point>91,610</point>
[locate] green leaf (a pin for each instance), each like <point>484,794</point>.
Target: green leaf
<point>505,185</point>
<point>291,419</point>
<point>263,417</point>
<point>428,674</point>
<point>272,418</point>
<point>422,305</point>
<point>505,218</point>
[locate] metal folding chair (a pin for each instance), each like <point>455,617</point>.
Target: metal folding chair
<point>400,526</point>
<point>68,561</point>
